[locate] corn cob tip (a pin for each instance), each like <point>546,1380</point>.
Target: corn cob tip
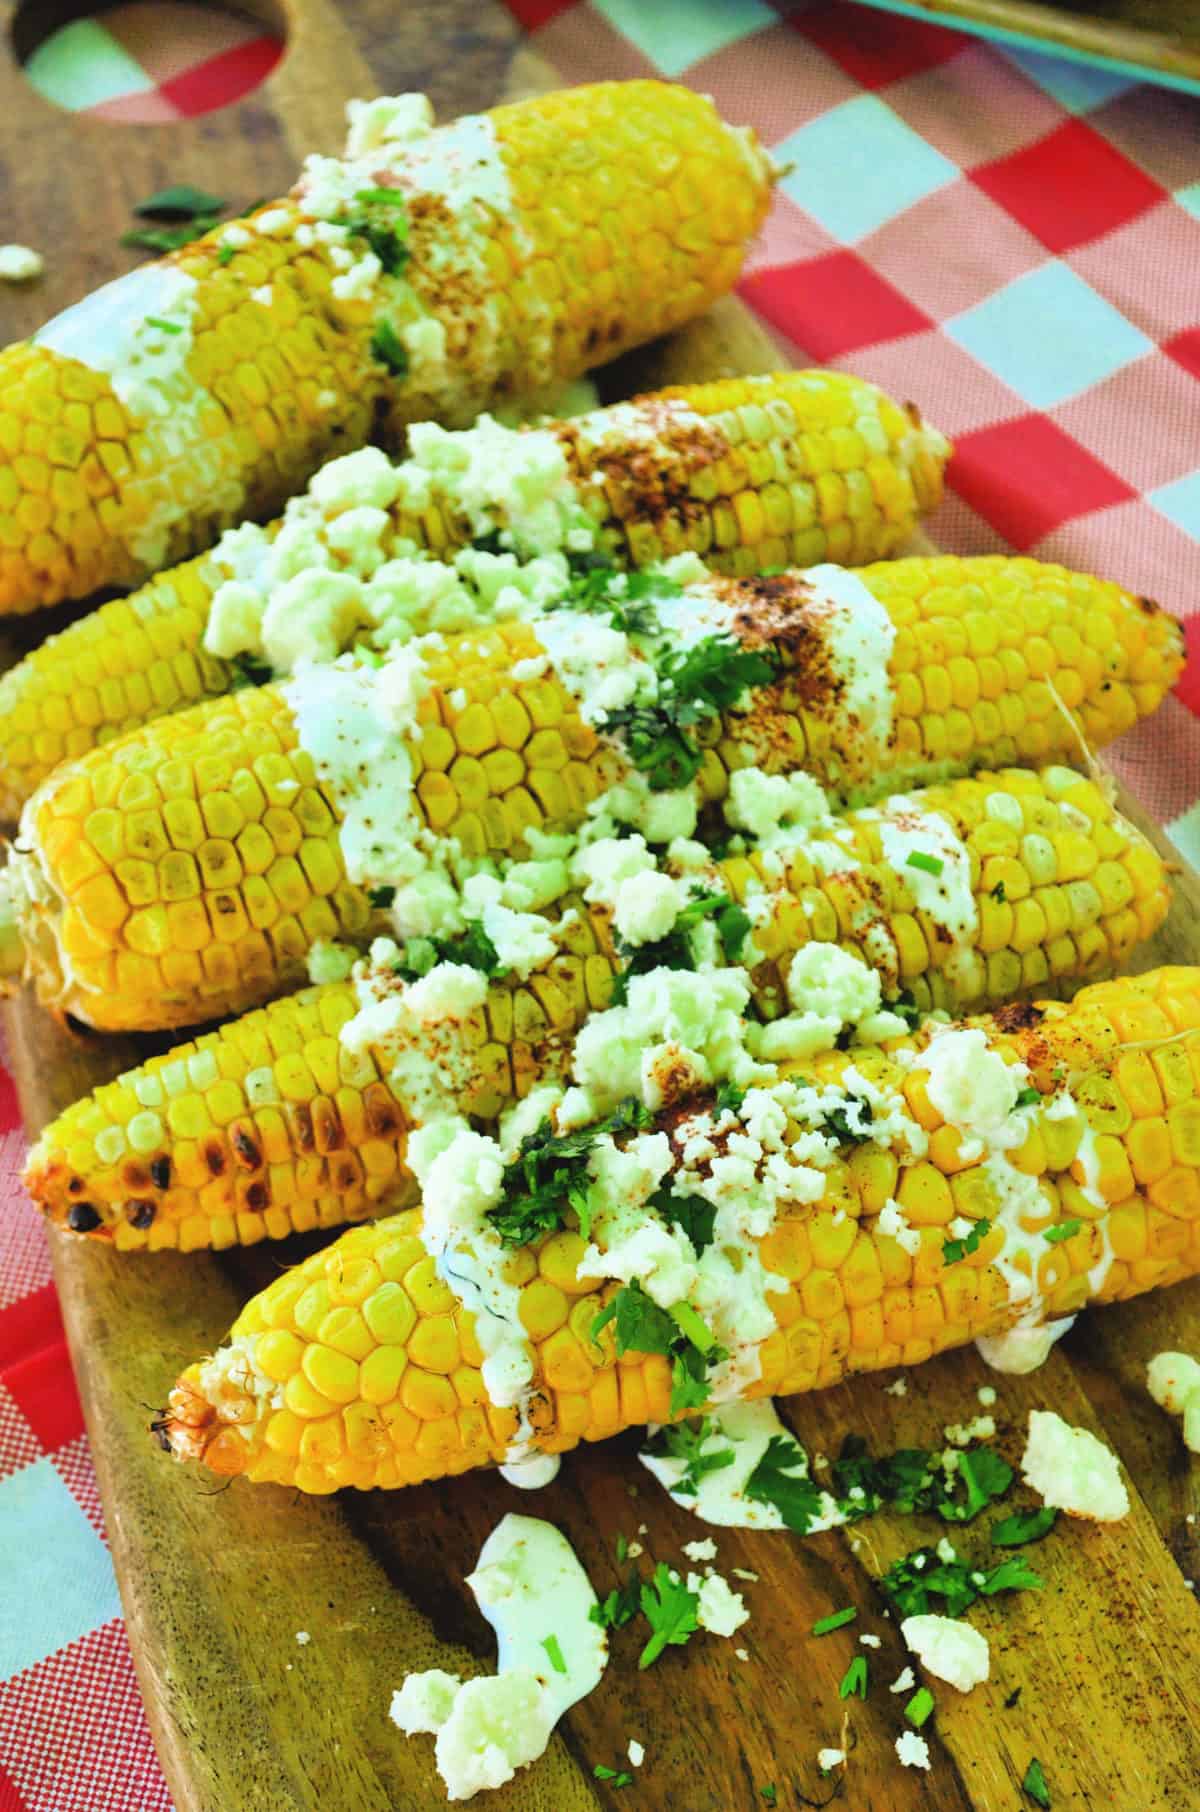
<point>192,1427</point>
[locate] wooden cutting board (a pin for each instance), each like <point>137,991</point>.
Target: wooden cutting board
<point>216,1582</point>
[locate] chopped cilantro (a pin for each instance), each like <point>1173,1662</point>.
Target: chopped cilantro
<point>691,1212</point>
<point>670,1610</point>
<point>696,683</point>
<point>919,1709</point>
<point>627,599</point>
<point>837,1125</point>
<point>552,1648</point>
<point>1064,1230</point>
<point>381,897</point>
<point>953,1250</point>
<point>164,326</point>
<point>1035,1786</point>
<point>984,1476</point>
<point>251,670</point>
<point>684,1441</point>
<point>170,238</point>
<point>472,949</point>
<point>389,349</point>
<point>769,1794</point>
<point>225,254</point>
<point>383,198</point>
<point>730,1098</point>
<point>854,1680</point>
<point>915,1581</point>
<point>675,950</point>
<point>1028,1097</point>
<point>905,1007</point>
<point>835,1621</point>
<point>180,202</point>
<point>998,893</point>
<point>549,1175</point>
<point>618,1607</point>
<point>386,240</point>
<point>1023,1526</point>
<point>776,1480</point>
<point>622,1550</point>
<point>618,1777</point>
<point>678,1333</point>
<point>930,865</point>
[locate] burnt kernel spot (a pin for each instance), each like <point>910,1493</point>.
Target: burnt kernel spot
<point>380,1112</point>
<point>82,1218</point>
<point>140,1214</point>
<point>224,903</point>
<point>1148,607</point>
<point>75,1185</point>
<point>257,1197</point>
<point>214,1157</point>
<point>346,1176</point>
<point>245,1148</point>
<point>135,1178</point>
<point>302,1126</point>
<point>1018,1016</point>
<point>327,1125</point>
<point>160,1172</point>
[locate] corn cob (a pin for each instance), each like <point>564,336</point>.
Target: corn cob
<point>270,1126</point>
<point>787,470</point>
<point>538,239</point>
<point>183,871</point>
<point>360,1366</point>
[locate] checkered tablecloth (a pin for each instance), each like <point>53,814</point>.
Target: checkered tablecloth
<point>1012,241</point>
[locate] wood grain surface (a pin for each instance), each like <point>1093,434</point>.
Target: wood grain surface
<point>216,1582</point>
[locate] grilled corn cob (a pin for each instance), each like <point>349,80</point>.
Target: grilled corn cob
<point>427,274</point>
<point>183,871</point>
<point>362,1367</point>
<point>760,472</point>
<point>271,1126</point>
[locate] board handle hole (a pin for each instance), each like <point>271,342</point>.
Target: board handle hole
<point>149,61</point>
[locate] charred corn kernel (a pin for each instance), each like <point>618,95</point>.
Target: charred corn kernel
<point>343,1130</point>
<point>864,1305</point>
<point>76,931</point>
<point>275,370</point>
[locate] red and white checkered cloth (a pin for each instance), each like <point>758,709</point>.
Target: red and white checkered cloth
<point>1011,240</point>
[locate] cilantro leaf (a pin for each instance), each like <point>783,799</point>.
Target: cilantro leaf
<point>170,238</point>
<point>389,349</point>
<point>381,897</point>
<point>953,1250</point>
<point>1064,1230</point>
<point>618,1607</point>
<point>684,1441</point>
<point>554,1650</point>
<point>675,950</point>
<point>251,670</point>
<point>385,238</point>
<point>913,1582</point>
<point>180,202</point>
<point>905,1007</point>
<point>671,1611</point>
<point>1035,1786</point>
<point>694,684</point>
<point>643,1327</point>
<point>549,1175</point>
<point>825,1626</point>
<point>618,1777</point>
<point>847,1123</point>
<point>691,1212</point>
<point>472,948</point>
<point>1023,1526</point>
<point>854,1680</point>
<point>984,1476</point>
<point>776,1480</point>
<point>730,1098</point>
<point>919,1709</point>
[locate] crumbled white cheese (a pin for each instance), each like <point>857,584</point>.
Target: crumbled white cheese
<point>904,1682</point>
<point>777,809</point>
<point>1072,1470</point>
<point>303,1637</point>
<point>894,1224</point>
<point>533,1473</point>
<point>899,1386</point>
<point>869,1641</point>
<point>828,1759</point>
<point>636,1753</point>
<point>720,1609</point>
<point>330,962</point>
<point>531,1588</point>
<point>986,1395</point>
<point>913,1750</point>
<point>961,1434</point>
<point>701,1550</point>
<point>946,1550</point>
<point>20,264</point>
<point>860,637</point>
<point>1174,1382</point>
<point>948,1648</point>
